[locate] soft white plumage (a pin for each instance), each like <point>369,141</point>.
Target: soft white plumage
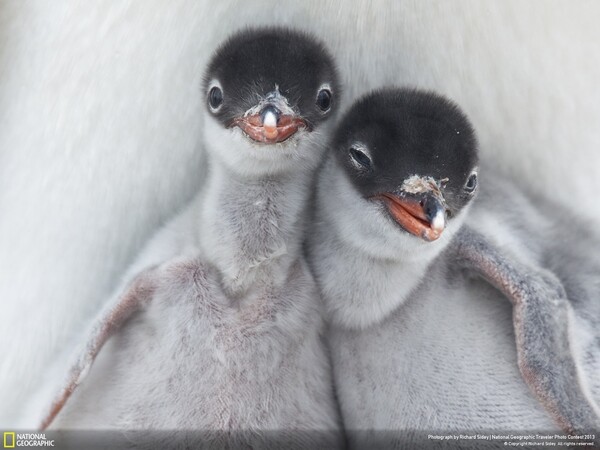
<point>219,332</point>
<point>418,344</point>
<point>100,126</point>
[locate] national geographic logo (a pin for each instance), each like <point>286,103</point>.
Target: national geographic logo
<point>24,440</point>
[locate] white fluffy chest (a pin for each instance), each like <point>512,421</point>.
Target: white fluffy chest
<point>250,230</point>
<point>196,359</point>
<point>446,360</point>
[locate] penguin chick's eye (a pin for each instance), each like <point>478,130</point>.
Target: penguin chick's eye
<point>362,161</point>
<point>324,100</point>
<point>215,98</point>
<point>471,184</point>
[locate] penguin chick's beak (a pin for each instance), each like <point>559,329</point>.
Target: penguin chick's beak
<point>269,125</point>
<point>423,215</point>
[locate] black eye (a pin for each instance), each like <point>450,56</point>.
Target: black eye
<point>360,157</point>
<point>324,100</point>
<point>471,183</point>
<point>215,97</point>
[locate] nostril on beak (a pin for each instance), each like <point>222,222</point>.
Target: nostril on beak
<point>429,208</point>
<point>270,116</point>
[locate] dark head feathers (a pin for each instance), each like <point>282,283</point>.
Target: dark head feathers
<point>253,62</point>
<point>407,132</point>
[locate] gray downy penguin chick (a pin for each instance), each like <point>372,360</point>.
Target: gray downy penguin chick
<point>407,260</point>
<point>218,326</point>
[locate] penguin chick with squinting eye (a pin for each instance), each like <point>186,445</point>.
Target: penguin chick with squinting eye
<point>417,342</point>
<point>220,328</point>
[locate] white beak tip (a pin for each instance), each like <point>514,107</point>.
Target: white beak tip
<point>270,120</point>
<point>439,221</point>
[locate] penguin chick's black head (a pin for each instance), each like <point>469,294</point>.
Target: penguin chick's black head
<point>413,151</point>
<point>271,82</point>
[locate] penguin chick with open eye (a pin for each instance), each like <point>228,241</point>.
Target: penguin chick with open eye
<point>219,332</point>
<point>417,342</point>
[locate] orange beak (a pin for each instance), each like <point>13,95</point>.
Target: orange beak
<point>269,127</point>
<point>424,218</point>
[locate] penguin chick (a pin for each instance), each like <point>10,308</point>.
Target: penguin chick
<point>407,160</point>
<point>279,87</point>
<point>397,235</point>
<point>218,330</point>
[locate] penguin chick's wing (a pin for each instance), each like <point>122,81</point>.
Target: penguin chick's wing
<point>138,293</point>
<point>541,317</point>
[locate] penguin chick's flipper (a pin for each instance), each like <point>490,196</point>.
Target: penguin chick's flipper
<point>541,318</point>
<point>137,293</point>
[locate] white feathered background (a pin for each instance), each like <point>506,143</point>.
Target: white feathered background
<point>101,141</point>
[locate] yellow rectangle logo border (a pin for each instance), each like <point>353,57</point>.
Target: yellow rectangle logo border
<point>7,434</point>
